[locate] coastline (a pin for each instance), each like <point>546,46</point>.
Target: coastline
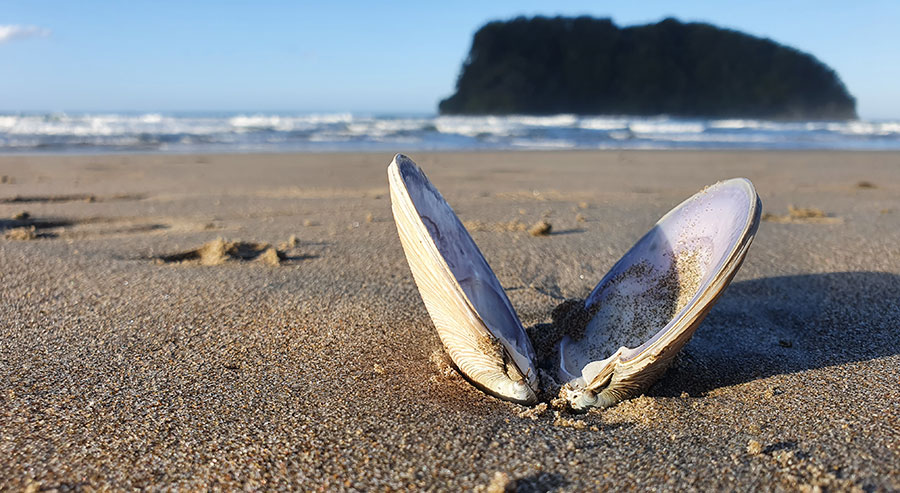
<point>236,132</point>
<point>124,369</point>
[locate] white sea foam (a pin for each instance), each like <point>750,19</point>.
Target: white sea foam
<point>734,124</point>
<point>544,121</point>
<point>714,138</point>
<point>381,128</point>
<point>602,123</point>
<point>865,128</point>
<point>476,126</point>
<point>666,126</point>
<point>61,132</point>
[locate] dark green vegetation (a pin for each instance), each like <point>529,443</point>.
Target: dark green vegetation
<point>590,66</point>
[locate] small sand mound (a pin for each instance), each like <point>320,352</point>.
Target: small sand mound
<point>643,411</point>
<point>533,413</point>
<point>805,212</point>
<point>22,234</point>
<point>219,251</point>
<point>808,215</point>
<point>541,228</point>
<point>500,483</point>
<point>754,447</point>
<point>270,256</point>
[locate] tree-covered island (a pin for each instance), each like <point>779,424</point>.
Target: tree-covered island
<point>590,66</point>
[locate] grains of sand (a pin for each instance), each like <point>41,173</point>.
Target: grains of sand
<point>566,422</point>
<point>499,227</point>
<point>269,256</point>
<point>540,228</point>
<point>213,253</point>
<point>805,212</point>
<point>809,215</point>
<point>625,318</point>
<point>754,447</point>
<point>441,360</point>
<point>500,483</point>
<point>21,234</point>
<point>534,412</point>
<point>292,242</point>
<point>643,411</point>
<point>219,251</point>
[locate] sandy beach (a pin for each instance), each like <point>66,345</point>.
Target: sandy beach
<point>138,351</point>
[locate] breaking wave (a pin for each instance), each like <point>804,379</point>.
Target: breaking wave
<point>265,132</point>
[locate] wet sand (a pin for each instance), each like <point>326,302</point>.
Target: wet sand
<point>310,363</point>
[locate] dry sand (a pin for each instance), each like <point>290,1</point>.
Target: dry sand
<point>316,371</point>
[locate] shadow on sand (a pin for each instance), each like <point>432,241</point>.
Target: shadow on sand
<point>26,221</point>
<point>538,482</point>
<point>788,324</point>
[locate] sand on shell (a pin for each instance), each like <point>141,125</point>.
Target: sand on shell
<point>316,374</point>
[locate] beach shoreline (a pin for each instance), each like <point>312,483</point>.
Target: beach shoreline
<point>138,351</point>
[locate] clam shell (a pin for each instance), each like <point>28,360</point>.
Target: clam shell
<point>472,315</point>
<point>639,315</point>
<point>652,300</point>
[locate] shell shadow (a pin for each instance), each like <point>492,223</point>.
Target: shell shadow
<point>787,324</point>
<point>538,482</point>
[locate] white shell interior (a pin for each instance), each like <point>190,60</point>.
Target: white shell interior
<point>467,264</point>
<point>660,278</point>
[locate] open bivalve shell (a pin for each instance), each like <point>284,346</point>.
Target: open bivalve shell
<point>473,316</point>
<point>637,318</point>
<point>652,300</point>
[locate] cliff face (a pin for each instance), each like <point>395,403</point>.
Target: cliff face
<point>590,66</point>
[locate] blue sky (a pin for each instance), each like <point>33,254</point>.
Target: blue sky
<point>382,57</point>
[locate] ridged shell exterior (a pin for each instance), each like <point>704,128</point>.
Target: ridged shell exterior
<point>499,361</point>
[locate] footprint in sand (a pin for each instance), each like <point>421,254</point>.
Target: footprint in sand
<point>220,251</point>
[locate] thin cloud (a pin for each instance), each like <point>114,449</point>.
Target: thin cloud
<point>10,32</point>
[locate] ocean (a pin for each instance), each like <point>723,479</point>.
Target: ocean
<point>268,132</point>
